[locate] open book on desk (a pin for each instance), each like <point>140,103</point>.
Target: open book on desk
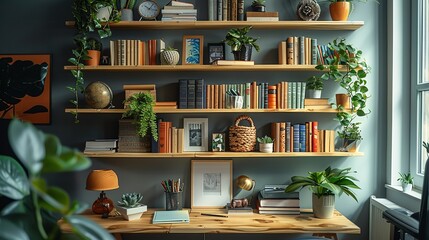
<point>176,216</point>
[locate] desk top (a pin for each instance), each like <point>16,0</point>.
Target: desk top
<point>256,223</point>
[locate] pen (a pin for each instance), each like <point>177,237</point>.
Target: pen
<point>214,215</point>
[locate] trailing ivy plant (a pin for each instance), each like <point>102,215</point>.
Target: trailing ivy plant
<point>140,108</point>
<point>86,22</point>
<point>348,68</point>
<point>30,214</point>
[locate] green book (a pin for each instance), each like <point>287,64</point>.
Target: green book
<point>175,216</point>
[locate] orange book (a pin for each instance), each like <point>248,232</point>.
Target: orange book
<point>272,93</point>
<point>321,137</point>
<point>152,52</point>
<point>315,137</point>
<point>141,54</point>
<point>282,140</point>
<point>162,137</point>
<point>216,96</point>
<point>285,97</point>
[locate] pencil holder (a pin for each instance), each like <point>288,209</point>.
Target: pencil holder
<point>173,201</point>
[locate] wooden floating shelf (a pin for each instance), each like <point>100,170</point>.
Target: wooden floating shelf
<point>224,155</point>
<point>201,68</point>
<point>173,110</point>
<point>302,25</point>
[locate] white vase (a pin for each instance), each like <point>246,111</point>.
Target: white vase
<point>323,207</point>
<point>407,187</point>
<point>266,147</point>
<point>170,57</point>
<point>126,14</point>
<point>131,214</point>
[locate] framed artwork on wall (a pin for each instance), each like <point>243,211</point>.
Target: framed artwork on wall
<point>196,134</point>
<point>26,87</point>
<point>218,142</point>
<point>211,183</point>
<point>216,51</point>
<point>192,49</point>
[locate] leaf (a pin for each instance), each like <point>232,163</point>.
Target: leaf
<point>88,228</point>
<point>28,144</point>
<point>10,231</point>
<point>55,199</point>
<point>52,145</point>
<point>13,207</point>
<point>13,180</point>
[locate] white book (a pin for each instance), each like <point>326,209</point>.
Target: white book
<point>184,4</point>
<point>179,11</point>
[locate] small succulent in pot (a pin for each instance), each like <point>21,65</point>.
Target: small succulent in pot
<point>258,5</point>
<point>130,200</point>
<point>265,139</point>
<point>169,56</point>
<point>130,206</point>
<point>265,144</point>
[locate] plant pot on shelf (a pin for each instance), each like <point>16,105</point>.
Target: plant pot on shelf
<point>323,207</point>
<point>170,57</point>
<point>407,187</point>
<point>244,54</point>
<point>311,93</point>
<point>126,14</point>
<point>258,8</point>
<point>339,11</point>
<point>131,214</point>
<point>95,58</point>
<point>351,145</point>
<point>343,100</point>
<point>266,147</point>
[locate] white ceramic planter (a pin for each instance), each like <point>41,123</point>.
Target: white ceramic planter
<point>103,14</point>
<point>266,147</point>
<point>323,207</point>
<point>313,93</point>
<point>131,214</point>
<point>406,187</point>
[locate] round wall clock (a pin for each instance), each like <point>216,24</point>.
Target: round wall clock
<point>149,10</point>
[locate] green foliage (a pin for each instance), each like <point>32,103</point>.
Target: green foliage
<point>265,139</point>
<point>29,216</point>
<point>141,109</point>
<point>128,4</point>
<point>86,22</point>
<point>94,44</point>
<point>258,3</point>
<point>329,182</point>
<point>169,48</point>
<point>353,80</point>
<point>237,38</point>
<point>426,146</point>
<point>130,200</point>
<point>314,83</point>
<point>351,132</point>
<point>405,178</point>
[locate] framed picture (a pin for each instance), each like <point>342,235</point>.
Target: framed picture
<point>211,183</point>
<point>196,134</point>
<point>192,49</point>
<point>218,142</point>
<point>30,73</point>
<point>216,51</point>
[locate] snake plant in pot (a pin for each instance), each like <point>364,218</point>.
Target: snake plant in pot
<point>325,185</point>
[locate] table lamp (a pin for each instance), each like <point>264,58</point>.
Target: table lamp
<point>102,180</point>
<point>245,183</point>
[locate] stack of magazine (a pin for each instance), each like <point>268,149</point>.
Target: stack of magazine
<point>179,11</point>
<point>274,200</point>
<point>101,146</point>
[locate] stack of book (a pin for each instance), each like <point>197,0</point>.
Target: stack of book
<point>101,146</point>
<point>179,11</point>
<point>238,210</point>
<point>274,200</point>
<point>317,103</point>
<point>133,52</point>
<point>262,16</point>
<point>170,138</point>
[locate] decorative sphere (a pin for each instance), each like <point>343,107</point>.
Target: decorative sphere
<point>98,95</point>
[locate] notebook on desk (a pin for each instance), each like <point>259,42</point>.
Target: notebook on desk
<point>176,216</point>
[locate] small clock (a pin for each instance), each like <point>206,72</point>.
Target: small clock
<point>149,10</point>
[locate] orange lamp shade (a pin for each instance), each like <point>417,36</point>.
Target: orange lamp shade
<point>101,180</point>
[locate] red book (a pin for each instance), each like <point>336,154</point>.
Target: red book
<point>152,51</point>
<point>162,134</point>
<point>315,137</point>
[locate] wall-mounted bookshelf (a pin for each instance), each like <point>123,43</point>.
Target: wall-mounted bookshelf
<point>179,111</point>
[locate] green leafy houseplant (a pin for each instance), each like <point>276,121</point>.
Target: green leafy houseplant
<point>353,80</point>
<point>34,204</point>
<point>86,21</point>
<point>130,200</point>
<point>141,109</point>
<point>405,178</point>
<point>237,38</point>
<point>314,83</point>
<point>265,139</point>
<point>128,4</point>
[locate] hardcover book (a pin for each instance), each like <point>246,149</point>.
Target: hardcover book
<point>175,216</point>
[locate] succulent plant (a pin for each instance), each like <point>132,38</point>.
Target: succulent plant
<point>130,200</point>
<point>265,139</point>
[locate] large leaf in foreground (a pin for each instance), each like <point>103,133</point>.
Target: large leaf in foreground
<point>13,180</point>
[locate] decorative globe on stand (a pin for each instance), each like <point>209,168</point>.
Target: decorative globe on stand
<point>98,95</point>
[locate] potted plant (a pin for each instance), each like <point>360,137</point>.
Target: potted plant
<point>348,68</point>
<point>325,185</point>
<point>32,202</point>
<point>341,9</point>
<point>140,108</point>
<point>94,48</point>
<point>314,87</point>
<point>258,5</point>
<point>169,56</point>
<point>127,10</point>
<point>130,206</point>
<point>406,180</point>
<point>351,135</point>
<point>241,44</point>
<point>265,144</point>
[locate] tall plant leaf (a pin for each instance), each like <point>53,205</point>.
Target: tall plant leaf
<point>13,180</point>
<point>88,228</point>
<point>10,231</point>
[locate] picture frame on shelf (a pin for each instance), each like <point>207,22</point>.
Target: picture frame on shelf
<point>216,51</point>
<point>196,134</point>
<point>218,142</point>
<point>192,49</point>
<point>211,183</point>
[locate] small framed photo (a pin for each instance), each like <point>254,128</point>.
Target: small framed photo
<point>192,49</point>
<point>218,142</point>
<point>216,51</point>
<point>196,134</point>
<point>211,183</point>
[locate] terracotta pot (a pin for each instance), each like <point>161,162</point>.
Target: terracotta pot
<point>339,11</point>
<point>343,100</point>
<point>95,58</point>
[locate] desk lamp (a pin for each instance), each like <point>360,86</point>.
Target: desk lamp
<point>245,183</point>
<point>102,180</point>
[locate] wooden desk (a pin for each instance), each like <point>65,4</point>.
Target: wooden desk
<point>256,223</point>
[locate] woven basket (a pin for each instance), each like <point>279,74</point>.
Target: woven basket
<point>242,138</point>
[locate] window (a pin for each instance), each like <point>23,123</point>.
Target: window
<point>420,90</point>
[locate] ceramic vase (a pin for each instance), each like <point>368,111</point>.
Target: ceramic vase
<point>323,207</point>
<point>170,57</point>
<point>311,93</point>
<point>126,14</point>
<point>407,187</point>
<point>131,214</point>
<point>339,11</point>
<point>266,147</point>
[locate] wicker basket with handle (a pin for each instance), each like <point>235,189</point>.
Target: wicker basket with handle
<point>242,138</point>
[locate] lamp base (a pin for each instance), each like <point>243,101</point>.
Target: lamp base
<point>103,205</point>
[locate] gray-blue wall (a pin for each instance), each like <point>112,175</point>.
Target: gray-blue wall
<point>38,27</point>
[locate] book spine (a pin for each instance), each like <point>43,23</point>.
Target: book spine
<point>240,10</point>
<point>204,96</point>
<point>310,137</point>
<point>307,136</point>
<point>211,8</point>
<point>303,87</point>
<point>272,95</point>
<point>162,137</point>
<point>293,97</point>
<point>168,137</point>
<point>261,96</point>
<point>219,10</point>
<point>208,96</point>
<point>183,93</point>
<point>296,137</point>
<point>234,10</point>
<point>295,50</point>
<point>287,137</point>
<point>282,140</point>
<point>112,52</point>
<point>247,95</point>
<point>160,45</point>
<point>315,137</point>
<point>298,95</point>
<point>273,136</point>
<point>302,145</point>
<point>282,52</point>
<point>199,98</point>
<point>314,51</point>
<point>289,95</point>
<point>224,10</point>
<point>301,51</point>
<point>191,93</point>
<point>289,50</point>
<point>266,95</point>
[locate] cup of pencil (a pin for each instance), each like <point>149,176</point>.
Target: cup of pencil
<point>173,194</point>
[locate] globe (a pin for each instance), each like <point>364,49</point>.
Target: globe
<point>98,95</point>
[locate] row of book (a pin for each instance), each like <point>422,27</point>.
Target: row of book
<point>193,93</point>
<point>299,51</point>
<point>226,10</point>
<point>170,139</point>
<point>128,52</point>
<point>274,200</point>
<point>304,137</point>
<point>101,146</point>
<point>179,11</point>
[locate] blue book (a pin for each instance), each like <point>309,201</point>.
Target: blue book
<point>289,95</point>
<point>302,144</point>
<point>314,51</point>
<point>265,95</point>
<point>296,137</point>
<point>183,93</point>
<point>199,93</point>
<point>191,93</point>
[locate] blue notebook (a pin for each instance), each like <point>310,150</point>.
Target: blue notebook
<point>176,216</point>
